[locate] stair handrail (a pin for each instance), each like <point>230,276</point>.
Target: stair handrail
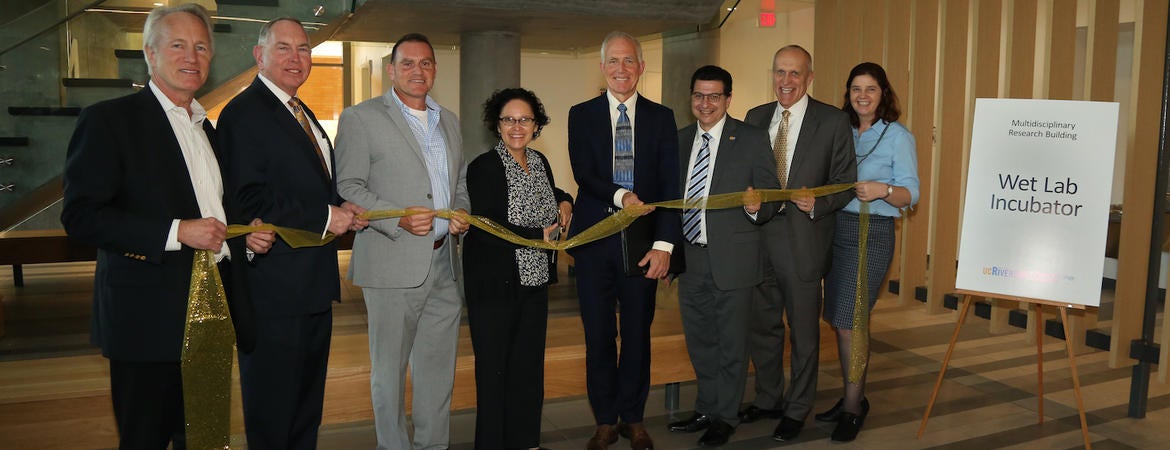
<point>50,27</point>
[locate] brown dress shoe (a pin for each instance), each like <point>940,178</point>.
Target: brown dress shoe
<point>636,433</point>
<point>602,438</point>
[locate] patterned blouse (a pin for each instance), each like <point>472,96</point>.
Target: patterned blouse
<point>531,203</point>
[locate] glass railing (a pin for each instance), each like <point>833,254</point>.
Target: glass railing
<point>67,54</point>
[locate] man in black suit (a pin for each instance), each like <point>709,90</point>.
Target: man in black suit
<point>813,144</point>
<point>280,169</point>
<point>624,151</point>
<point>143,184</point>
<point>723,251</point>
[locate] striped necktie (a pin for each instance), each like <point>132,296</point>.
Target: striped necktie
<point>623,151</point>
<point>303,119</point>
<point>696,187</point>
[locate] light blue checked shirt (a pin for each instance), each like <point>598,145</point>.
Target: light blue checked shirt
<point>434,148</point>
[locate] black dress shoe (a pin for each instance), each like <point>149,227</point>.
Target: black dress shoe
<point>834,413</point>
<point>697,422</point>
<point>787,430</point>
<point>847,427</point>
<point>754,413</point>
<point>718,434</point>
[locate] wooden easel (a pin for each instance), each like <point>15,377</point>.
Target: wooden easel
<point>1072,360</point>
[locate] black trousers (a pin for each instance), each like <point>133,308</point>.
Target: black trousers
<point>282,381</point>
<point>148,404</point>
<point>508,331</point>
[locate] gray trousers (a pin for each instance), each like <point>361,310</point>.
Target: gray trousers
<point>419,326</point>
<point>784,298</point>
<point>715,326</point>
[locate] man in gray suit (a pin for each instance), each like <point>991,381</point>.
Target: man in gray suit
<point>403,150</point>
<point>723,251</point>
<point>813,144</point>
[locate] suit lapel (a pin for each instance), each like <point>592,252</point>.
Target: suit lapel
<point>642,134</point>
<point>808,129</point>
<point>170,156</point>
<point>450,134</point>
<point>687,138</point>
<point>726,154</point>
<point>332,161</point>
<point>395,114</point>
<point>289,126</point>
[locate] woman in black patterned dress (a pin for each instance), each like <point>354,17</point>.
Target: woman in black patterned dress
<point>506,285</point>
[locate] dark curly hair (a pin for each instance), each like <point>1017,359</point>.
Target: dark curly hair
<point>887,108</point>
<point>495,105</point>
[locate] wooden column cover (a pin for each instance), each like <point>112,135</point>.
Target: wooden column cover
<point>827,40</point>
<point>897,65</point>
<point>985,82</point>
<point>919,96</point>
<point>952,129</point>
<point>1020,70</point>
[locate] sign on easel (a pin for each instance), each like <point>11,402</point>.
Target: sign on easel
<point>1037,204</point>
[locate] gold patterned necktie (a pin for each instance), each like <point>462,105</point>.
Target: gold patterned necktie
<point>780,149</point>
<point>299,112</point>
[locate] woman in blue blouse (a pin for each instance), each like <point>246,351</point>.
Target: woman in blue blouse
<point>886,161</point>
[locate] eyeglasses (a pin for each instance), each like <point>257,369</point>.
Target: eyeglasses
<point>713,98</point>
<point>513,121</point>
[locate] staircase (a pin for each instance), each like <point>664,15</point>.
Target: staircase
<point>60,56</point>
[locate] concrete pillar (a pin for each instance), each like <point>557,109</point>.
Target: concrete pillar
<point>681,55</point>
<point>488,61</point>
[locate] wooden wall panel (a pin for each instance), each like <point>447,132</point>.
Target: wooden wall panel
<point>1021,49</point>
<point>827,38</point>
<point>952,129</point>
<point>919,117</point>
<point>1101,45</point>
<point>1141,166</point>
<point>1100,73</point>
<point>873,34</point>
<point>1061,38</point>
<point>897,64</point>
<point>985,82</point>
<point>847,54</point>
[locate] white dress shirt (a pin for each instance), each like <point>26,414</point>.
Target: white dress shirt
<point>201,165</point>
<point>614,114</point>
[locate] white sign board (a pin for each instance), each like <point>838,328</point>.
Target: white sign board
<point>1037,205</point>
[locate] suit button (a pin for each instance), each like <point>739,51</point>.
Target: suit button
<point>429,197</point>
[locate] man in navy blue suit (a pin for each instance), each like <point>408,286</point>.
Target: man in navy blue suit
<point>624,152</point>
<point>280,168</point>
<point>143,183</point>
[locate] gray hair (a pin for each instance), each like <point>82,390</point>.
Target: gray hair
<point>267,28</point>
<point>621,35</point>
<point>796,48</point>
<point>151,31</point>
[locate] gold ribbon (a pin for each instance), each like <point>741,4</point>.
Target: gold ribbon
<point>620,219</point>
<point>859,348</point>
<point>206,361</point>
<point>209,337</point>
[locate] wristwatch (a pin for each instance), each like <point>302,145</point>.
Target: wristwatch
<point>889,190</point>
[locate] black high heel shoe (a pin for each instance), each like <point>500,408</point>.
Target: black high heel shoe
<point>849,424</point>
<point>834,414</point>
